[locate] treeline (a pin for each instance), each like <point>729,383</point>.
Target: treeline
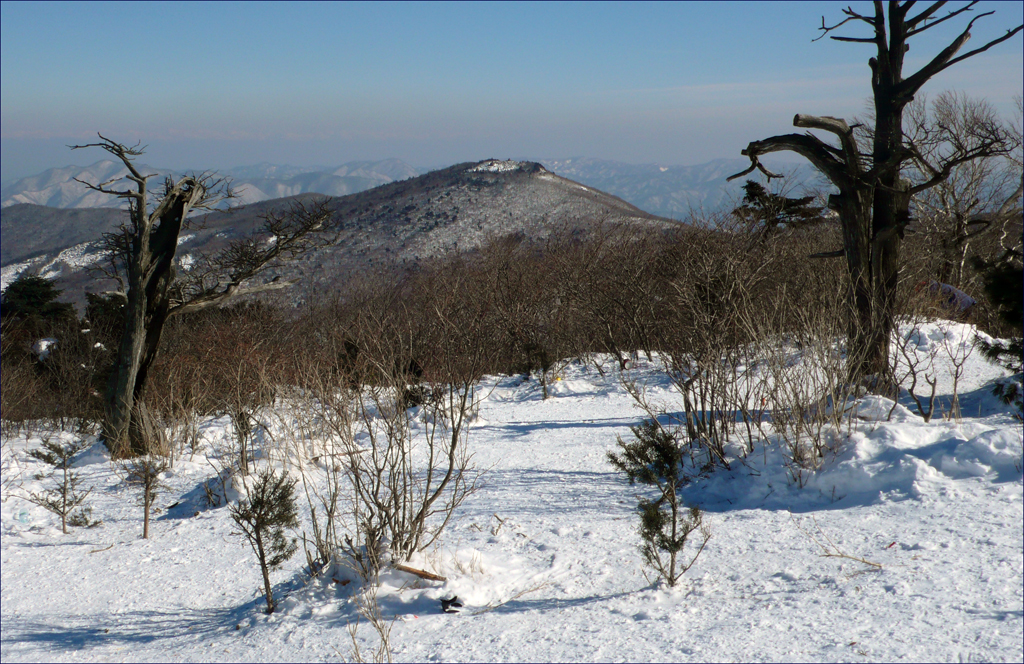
<point>513,306</point>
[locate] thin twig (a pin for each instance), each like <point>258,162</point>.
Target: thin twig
<point>491,607</point>
<point>834,551</point>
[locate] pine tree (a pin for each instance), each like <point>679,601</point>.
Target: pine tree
<point>105,314</point>
<point>33,300</point>
<point>65,499</point>
<point>268,510</point>
<point>769,212</point>
<point>1003,284</point>
<point>655,458</point>
<point>143,472</point>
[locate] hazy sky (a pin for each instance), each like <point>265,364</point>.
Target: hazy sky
<point>221,85</point>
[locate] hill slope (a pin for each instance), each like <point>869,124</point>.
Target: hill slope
<point>668,191</point>
<point>29,230</point>
<point>396,224</point>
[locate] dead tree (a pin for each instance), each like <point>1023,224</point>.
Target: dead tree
<point>978,196</point>
<point>874,199</point>
<point>142,259</point>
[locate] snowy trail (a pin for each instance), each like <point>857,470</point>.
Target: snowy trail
<point>556,575</point>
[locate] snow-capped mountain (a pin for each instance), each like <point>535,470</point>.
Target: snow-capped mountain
<point>663,190</point>
<point>398,223</point>
<point>63,188</point>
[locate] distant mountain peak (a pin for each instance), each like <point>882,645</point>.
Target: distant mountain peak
<point>506,166</point>
<point>663,190</point>
<point>395,225</point>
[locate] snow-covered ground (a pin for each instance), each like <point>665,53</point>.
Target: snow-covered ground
<point>497,166</point>
<point>545,557</point>
<point>78,256</point>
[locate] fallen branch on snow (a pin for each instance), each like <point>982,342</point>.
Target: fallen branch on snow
<point>420,573</point>
<point>831,550</point>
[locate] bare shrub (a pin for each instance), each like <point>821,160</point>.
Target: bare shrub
<point>21,391</point>
<point>317,424</point>
<point>369,609</point>
<point>912,363</point>
<point>700,338</point>
<point>958,343</point>
<point>526,316</point>
<point>613,280</point>
<point>415,471</point>
<point>808,368</point>
<point>11,468</point>
<point>59,387</point>
<point>915,357</point>
<point>912,367</point>
<point>321,427</point>
<point>142,472</point>
<point>386,391</point>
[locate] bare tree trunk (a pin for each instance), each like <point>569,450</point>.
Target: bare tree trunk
<point>143,253</point>
<point>873,201</point>
<point>853,213</point>
<point>147,502</point>
<point>151,272</point>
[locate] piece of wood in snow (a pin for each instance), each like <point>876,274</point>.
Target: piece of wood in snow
<point>420,573</point>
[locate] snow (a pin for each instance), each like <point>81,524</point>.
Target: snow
<point>80,255</point>
<point>41,348</point>
<point>77,256</point>
<point>497,166</point>
<point>10,273</point>
<point>544,557</point>
<point>557,178</point>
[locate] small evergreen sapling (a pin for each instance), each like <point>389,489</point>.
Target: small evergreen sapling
<point>1003,279</point>
<point>655,458</point>
<point>263,516</point>
<point>65,499</point>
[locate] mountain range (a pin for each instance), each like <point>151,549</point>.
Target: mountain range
<point>667,191</point>
<point>394,225</point>
<point>63,188</point>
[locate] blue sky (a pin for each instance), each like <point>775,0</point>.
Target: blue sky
<point>220,85</point>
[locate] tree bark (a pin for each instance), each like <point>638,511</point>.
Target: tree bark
<point>420,573</point>
<point>128,428</point>
<point>262,555</point>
